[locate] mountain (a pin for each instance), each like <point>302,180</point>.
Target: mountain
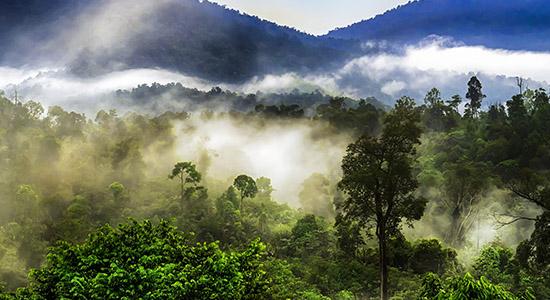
<point>198,38</point>
<point>33,17</point>
<point>514,25</point>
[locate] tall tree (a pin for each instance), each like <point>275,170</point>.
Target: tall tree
<point>316,196</point>
<point>246,186</point>
<point>438,115</point>
<point>465,182</point>
<point>454,102</point>
<point>186,172</point>
<point>434,113</point>
<point>379,181</point>
<point>475,95</point>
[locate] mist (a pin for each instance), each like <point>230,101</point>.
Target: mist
<point>385,76</point>
<point>286,151</point>
<point>96,28</point>
<point>97,114</point>
<point>83,61</point>
<point>415,69</point>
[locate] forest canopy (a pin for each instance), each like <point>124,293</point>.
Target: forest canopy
<point>431,199</point>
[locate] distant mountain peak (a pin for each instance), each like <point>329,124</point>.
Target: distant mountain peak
<point>198,38</point>
<point>515,25</point>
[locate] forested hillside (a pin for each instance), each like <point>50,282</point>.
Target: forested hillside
<point>180,149</point>
<point>174,96</point>
<point>441,200</point>
<point>198,38</point>
<point>513,25</point>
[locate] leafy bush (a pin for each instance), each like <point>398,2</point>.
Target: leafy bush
<point>494,262</point>
<point>431,256</point>
<point>147,261</point>
<point>466,287</point>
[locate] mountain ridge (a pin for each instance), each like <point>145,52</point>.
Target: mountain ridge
<point>512,25</point>
<point>198,38</point>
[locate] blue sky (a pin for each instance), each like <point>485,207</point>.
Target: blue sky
<point>313,16</point>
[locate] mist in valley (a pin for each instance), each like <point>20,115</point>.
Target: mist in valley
<point>238,131</point>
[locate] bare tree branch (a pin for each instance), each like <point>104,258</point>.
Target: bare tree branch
<point>511,219</point>
<point>535,198</point>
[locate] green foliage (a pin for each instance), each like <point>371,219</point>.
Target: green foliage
<point>475,95</point>
<point>103,170</point>
<point>286,285</point>
<point>378,172</point>
<point>378,178</point>
<point>364,119</point>
<point>344,295</point>
<point>464,184</point>
<point>437,115</point>
<point>466,287</point>
<point>494,263</point>
<point>316,196</point>
<point>282,110</point>
<point>310,237</point>
<point>431,256</point>
<point>532,258</point>
<point>187,172</point>
<point>117,189</point>
<point>151,262</point>
<point>246,186</point>
<point>536,251</point>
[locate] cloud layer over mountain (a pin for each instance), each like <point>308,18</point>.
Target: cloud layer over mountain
<point>101,46</point>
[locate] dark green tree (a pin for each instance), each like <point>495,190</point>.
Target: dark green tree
<point>431,256</point>
<point>146,261</point>
<point>534,254</point>
<point>434,114</point>
<point>229,217</point>
<point>454,102</point>
<point>465,182</point>
<point>186,172</point>
<point>310,237</point>
<point>246,186</point>
<point>379,181</point>
<point>316,197</point>
<point>475,95</point>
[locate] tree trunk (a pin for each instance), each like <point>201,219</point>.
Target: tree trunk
<point>182,188</point>
<point>383,263</point>
<point>455,236</point>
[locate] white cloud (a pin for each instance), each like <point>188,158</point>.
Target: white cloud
<point>287,82</point>
<point>9,76</point>
<point>287,152</point>
<point>386,76</point>
<point>464,59</point>
<point>393,87</point>
<point>440,64</point>
<point>56,87</point>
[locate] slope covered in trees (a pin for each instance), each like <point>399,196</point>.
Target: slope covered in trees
<point>432,166</point>
<point>198,38</point>
<point>157,97</point>
<point>514,25</point>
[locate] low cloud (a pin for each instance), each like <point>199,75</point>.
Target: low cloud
<point>386,76</point>
<point>57,87</point>
<point>414,70</point>
<point>99,29</point>
<point>436,64</point>
<point>392,88</point>
<point>286,151</point>
<point>464,59</point>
